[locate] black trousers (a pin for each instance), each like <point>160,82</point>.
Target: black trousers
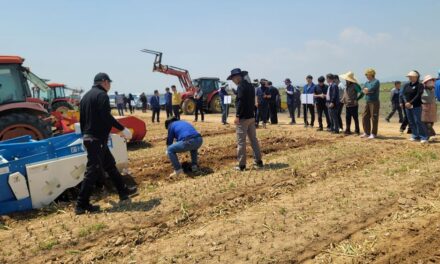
<point>291,108</point>
<point>199,108</point>
<point>144,107</point>
<point>263,113</point>
<point>405,124</point>
<point>321,108</point>
<point>352,112</point>
<point>273,113</point>
<point>176,111</point>
<point>395,107</point>
<point>340,107</point>
<point>169,110</point>
<point>297,105</point>
<point>311,109</point>
<point>130,107</point>
<point>99,160</point>
<point>156,114</point>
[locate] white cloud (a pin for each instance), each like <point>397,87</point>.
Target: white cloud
<point>358,36</point>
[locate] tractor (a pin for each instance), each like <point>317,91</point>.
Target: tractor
<point>56,99</point>
<point>18,116</point>
<point>209,86</point>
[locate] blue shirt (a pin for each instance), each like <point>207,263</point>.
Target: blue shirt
<point>154,102</point>
<point>309,89</point>
<point>168,99</point>
<point>373,87</point>
<point>181,130</point>
<point>290,94</point>
<point>437,89</point>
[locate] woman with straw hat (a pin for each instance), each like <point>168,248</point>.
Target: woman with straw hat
<point>412,98</point>
<point>429,106</point>
<point>352,94</point>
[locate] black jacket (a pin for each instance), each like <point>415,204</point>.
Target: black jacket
<point>274,93</point>
<point>412,93</point>
<point>245,100</point>
<point>95,114</point>
<point>319,90</point>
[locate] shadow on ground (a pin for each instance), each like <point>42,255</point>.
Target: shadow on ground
<point>139,206</point>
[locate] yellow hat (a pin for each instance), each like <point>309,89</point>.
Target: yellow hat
<point>370,71</point>
<point>349,76</point>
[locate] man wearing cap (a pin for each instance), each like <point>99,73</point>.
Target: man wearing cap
<point>370,117</point>
<point>290,100</point>
<point>437,87</point>
<point>309,88</point>
<point>96,122</point>
<point>244,119</point>
<point>320,99</point>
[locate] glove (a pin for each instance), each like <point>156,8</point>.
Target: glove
<point>126,133</point>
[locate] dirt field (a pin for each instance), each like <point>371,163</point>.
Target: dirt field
<point>321,198</point>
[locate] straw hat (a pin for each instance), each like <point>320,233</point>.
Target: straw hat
<point>349,76</point>
<point>370,71</point>
<point>428,78</point>
<point>412,74</point>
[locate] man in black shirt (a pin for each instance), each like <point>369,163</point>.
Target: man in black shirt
<point>96,122</point>
<point>273,109</point>
<point>245,119</point>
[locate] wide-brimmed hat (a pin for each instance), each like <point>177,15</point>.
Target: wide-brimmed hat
<point>428,78</point>
<point>412,74</point>
<point>370,71</point>
<point>235,72</point>
<point>349,76</point>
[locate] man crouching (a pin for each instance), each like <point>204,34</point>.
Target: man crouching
<point>187,139</point>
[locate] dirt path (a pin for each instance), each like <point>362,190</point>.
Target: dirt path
<point>320,199</point>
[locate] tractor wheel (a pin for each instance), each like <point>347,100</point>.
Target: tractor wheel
<point>62,107</point>
<point>215,106</point>
<point>189,106</point>
<point>22,124</point>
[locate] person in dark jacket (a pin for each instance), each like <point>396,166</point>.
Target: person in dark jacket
<point>321,106</point>
<point>352,95</point>
<point>290,100</point>
<point>405,124</point>
<point>309,88</point>
<point>395,102</point>
<point>225,107</point>
<point>168,102</point>
<point>341,88</point>
<point>263,97</point>
<point>96,122</point>
<point>412,98</point>
<point>130,103</point>
<point>155,106</point>
<point>273,109</point>
<point>332,102</point>
<point>198,97</point>
<point>244,118</point>
<point>188,139</point>
<point>297,101</point>
<point>143,99</point>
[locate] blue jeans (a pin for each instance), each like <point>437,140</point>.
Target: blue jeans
<point>191,145</point>
<point>120,109</point>
<point>415,122</point>
<point>225,113</point>
<point>334,117</point>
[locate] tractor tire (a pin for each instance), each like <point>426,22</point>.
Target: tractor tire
<point>62,107</point>
<point>22,124</point>
<point>189,106</point>
<point>215,106</point>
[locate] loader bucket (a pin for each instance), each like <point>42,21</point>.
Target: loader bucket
<point>136,125</point>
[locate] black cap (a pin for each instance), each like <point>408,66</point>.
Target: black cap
<point>102,77</point>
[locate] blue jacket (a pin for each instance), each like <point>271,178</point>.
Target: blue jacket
<point>154,102</point>
<point>437,89</point>
<point>309,89</point>
<point>261,91</point>
<point>334,94</point>
<point>290,91</point>
<point>181,131</point>
<point>168,99</point>
<point>222,94</point>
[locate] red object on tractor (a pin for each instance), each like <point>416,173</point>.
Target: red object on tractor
<point>136,125</point>
<point>209,86</point>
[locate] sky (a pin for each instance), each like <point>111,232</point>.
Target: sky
<point>70,41</point>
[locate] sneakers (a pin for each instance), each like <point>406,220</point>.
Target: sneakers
<point>365,136</point>
<point>320,129</point>
<point>129,192</point>
<point>195,168</point>
<point>347,132</point>
<point>79,210</point>
<point>176,173</point>
<point>412,139</point>
<point>424,141</point>
<point>240,168</point>
<point>258,164</point>
<point>372,136</point>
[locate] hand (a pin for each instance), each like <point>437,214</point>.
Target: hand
<point>237,121</point>
<point>126,133</point>
<point>332,105</point>
<point>408,105</point>
<point>365,90</point>
<point>401,106</point>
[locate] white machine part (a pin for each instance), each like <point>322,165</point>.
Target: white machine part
<point>17,182</point>
<point>48,179</point>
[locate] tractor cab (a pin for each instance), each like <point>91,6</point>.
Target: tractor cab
<point>210,87</point>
